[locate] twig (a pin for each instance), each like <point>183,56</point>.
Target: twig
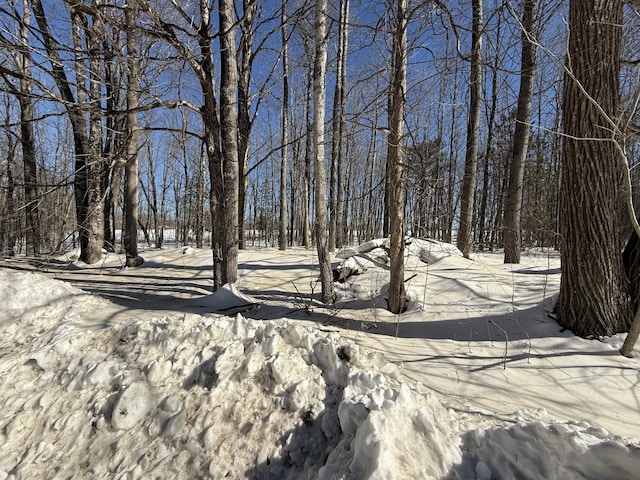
<point>506,344</point>
<point>305,304</point>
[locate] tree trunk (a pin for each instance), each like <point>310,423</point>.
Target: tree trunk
<point>285,132</point>
<point>339,129</point>
<point>451,167</point>
<point>395,155</point>
<point>594,291</point>
<point>8,223</point>
<point>465,232</point>
<point>114,128</point>
<point>319,98</point>
<point>95,164</point>
<point>131,175</point>
<point>245,123</point>
<point>229,139</point>
<point>513,207</point>
<point>308,141</point>
<point>27,139</point>
<point>483,221</point>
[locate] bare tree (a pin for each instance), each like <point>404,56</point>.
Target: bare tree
<point>130,230</point>
<point>395,156</point>
<point>8,218</point>
<point>308,144</point>
<point>88,165</point>
<point>338,143</point>
<point>23,91</point>
<point>221,144</point>
<point>229,140</point>
<point>285,131</point>
<point>27,137</point>
<point>320,198</point>
<point>513,206</point>
<point>489,152</point>
<point>245,118</point>
<point>465,231</point>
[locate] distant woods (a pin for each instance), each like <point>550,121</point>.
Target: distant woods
<point>196,123</point>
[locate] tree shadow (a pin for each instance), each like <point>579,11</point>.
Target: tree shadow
<point>521,325</point>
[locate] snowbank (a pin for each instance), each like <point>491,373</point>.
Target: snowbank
<point>221,397</point>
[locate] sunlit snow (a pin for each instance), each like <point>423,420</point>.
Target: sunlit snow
<point>113,387</point>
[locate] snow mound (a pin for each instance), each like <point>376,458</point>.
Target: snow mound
<point>228,299</point>
<point>366,247</point>
<point>28,296</point>
<point>536,450</point>
<point>193,397</point>
<point>227,397</point>
<point>430,251</point>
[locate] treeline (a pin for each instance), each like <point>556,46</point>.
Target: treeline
<point>155,115</point>
<point>67,77</point>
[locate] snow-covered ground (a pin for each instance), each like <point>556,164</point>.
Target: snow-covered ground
<point>145,374</point>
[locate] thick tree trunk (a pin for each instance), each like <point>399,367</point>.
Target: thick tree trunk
<point>513,207</point>
<point>395,155</point>
<point>95,165</point>
<point>229,139</point>
<point>594,291</point>
<point>319,98</point>
<point>131,175</point>
<point>211,124</point>
<point>631,260</point>
<point>465,231</point>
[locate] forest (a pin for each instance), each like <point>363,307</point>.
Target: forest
<point>495,125</point>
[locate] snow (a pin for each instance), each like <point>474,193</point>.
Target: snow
<point>146,381</point>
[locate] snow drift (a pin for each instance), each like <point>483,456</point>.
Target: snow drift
<point>197,396</point>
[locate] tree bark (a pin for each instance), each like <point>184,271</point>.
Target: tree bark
<point>513,207</point>
<point>465,231</point>
<point>229,138</point>
<point>395,160</point>
<point>8,222</point>
<point>285,132</point>
<point>594,291</point>
<point>131,175</point>
<point>95,165</point>
<point>319,98</point>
